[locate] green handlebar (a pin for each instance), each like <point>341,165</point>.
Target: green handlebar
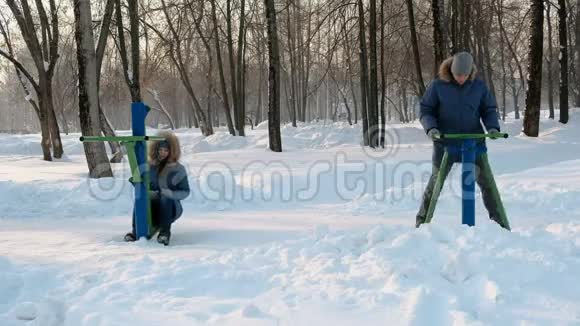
<point>129,142</point>
<point>472,136</point>
<point>120,138</point>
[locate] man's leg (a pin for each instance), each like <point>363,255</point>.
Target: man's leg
<point>489,192</point>
<point>439,173</point>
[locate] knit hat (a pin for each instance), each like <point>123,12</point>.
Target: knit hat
<point>462,63</point>
<point>163,144</point>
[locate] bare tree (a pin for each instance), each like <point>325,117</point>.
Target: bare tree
<point>373,110</point>
<point>415,44</point>
<point>88,90</point>
<point>328,56</point>
<point>563,57</point>
<point>534,91</point>
<point>273,78</point>
<point>438,36</point>
<point>130,69</point>
<point>106,126</point>
<point>577,51</point>
<point>383,77</point>
<point>223,89</point>
<point>19,73</point>
<point>364,74</point>
<point>236,67</point>
<point>175,46</point>
<point>44,53</point>
<point>498,6</point>
<point>161,108</point>
<point>549,60</point>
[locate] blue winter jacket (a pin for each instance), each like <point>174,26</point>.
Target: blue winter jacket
<point>454,108</point>
<point>174,179</point>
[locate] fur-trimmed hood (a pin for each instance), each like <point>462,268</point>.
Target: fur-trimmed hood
<point>174,148</point>
<point>445,70</point>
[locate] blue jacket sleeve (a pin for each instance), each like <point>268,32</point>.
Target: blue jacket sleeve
<point>429,108</point>
<point>488,110</point>
<point>179,184</point>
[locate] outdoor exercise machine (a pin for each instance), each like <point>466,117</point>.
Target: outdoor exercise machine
<point>469,149</point>
<point>137,154</point>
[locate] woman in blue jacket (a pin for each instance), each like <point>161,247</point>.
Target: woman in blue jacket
<point>168,186</point>
<point>458,103</point>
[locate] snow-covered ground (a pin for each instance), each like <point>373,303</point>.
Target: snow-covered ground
<point>321,234</point>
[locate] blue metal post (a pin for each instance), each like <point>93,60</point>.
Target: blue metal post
<point>138,114</point>
<point>468,154</point>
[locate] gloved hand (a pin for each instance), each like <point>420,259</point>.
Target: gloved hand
<point>493,133</point>
<point>153,194</point>
<point>433,133</point>
<point>166,193</point>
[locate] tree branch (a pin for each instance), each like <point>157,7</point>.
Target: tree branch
<point>20,67</point>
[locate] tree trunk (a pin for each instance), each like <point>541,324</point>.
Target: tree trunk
<point>487,56</point>
<point>454,27</point>
<point>88,90</point>
<point>108,131</point>
<point>226,101</point>
<point>466,23</point>
<point>261,63</point>
<point>305,61</point>
<point>577,50</point>
<point>291,58</point>
<point>209,80</point>
<point>534,90</point>
<point>364,75</point>
<point>503,63</point>
<point>415,45</point>
<point>354,99</point>
<point>563,37</point>
<point>383,76</point>
<point>549,59</point>
<point>373,82</point>
<point>233,85</point>
<point>438,39</point>
<point>135,59</point>
<point>515,94</point>
<point>57,150</point>
<point>44,56</point>
<point>44,125</point>
<point>273,79</point>
<point>131,73</point>
<point>350,73</point>
<point>106,126</point>
<point>241,105</point>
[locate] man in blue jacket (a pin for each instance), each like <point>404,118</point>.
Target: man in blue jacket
<point>458,103</point>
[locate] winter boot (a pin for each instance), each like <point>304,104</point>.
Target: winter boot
<point>163,238</point>
<point>130,237</point>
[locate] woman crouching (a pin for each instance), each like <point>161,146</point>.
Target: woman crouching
<point>168,186</point>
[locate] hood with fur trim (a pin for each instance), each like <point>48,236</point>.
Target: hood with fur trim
<point>174,148</point>
<point>445,70</point>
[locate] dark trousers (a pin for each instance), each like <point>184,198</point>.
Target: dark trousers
<point>163,213</point>
<point>483,177</point>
